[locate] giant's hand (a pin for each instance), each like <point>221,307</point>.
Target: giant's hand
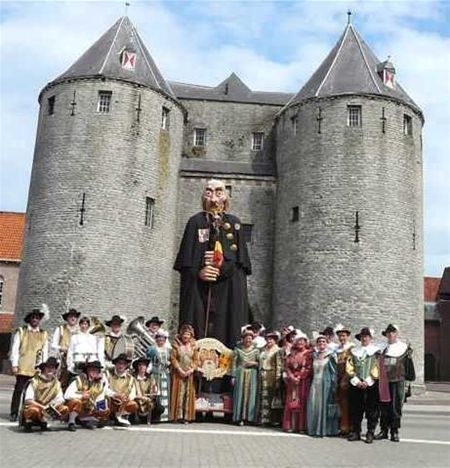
<point>208,258</point>
<point>209,273</point>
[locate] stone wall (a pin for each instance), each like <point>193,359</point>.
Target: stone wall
<point>113,262</point>
<point>322,276</point>
<point>229,127</point>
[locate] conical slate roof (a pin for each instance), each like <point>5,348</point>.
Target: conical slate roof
<point>350,68</point>
<point>105,58</point>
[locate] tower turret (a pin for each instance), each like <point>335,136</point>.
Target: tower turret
<point>102,202</point>
<point>349,198</point>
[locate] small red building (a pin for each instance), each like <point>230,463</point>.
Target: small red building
<point>437,327</point>
<point>11,240</point>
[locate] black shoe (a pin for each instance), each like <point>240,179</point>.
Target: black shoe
<point>369,438</point>
<point>44,427</point>
<point>28,427</point>
<point>383,434</point>
<point>90,425</point>
<point>13,417</point>
<point>394,436</point>
<point>71,427</point>
<point>101,425</point>
<point>354,436</point>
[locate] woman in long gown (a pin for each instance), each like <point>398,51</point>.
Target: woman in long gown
<point>270,371</point>
<point>159,355</point>
<point>245,380</point>
<point>323,411</point>
<point>184,359</point>
<point>298,367</point>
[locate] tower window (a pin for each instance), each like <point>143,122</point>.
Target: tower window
<point>229,189</point>
<point>257,141</point>
<point>149,212</point>
<point>294,124</point>
<point>104,101</point>
<point>165,118</point>
<point>51,105</point>
<point>407,125</point>
<point>199,136</point>
<point>247,231</point>
<point>354,116</point>
<point>295,214</point>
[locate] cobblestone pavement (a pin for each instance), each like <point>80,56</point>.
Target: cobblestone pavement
<point>425,443</point>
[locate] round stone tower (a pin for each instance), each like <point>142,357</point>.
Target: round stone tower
<point>102,202</point>
<point>349,208</point>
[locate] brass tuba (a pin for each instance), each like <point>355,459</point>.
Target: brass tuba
<point>97,326</point>
<point>141,337</point>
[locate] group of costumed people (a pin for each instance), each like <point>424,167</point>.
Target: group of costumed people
<point>322,387</point>
<point>75,376</point>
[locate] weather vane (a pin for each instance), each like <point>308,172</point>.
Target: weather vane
<point>349,16</point>
<point>127,4</point>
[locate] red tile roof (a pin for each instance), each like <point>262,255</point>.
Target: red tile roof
<point>11,235</point>
<point>6,323</point>
<point>430,289</point>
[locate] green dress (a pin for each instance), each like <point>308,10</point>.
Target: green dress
<point>245,372</point>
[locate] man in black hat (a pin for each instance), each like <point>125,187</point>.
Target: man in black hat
<point>29,349</point>
<point>111,337</point>
<point>395,369</point>
<point>147,390</point>
<point>154,325</point>
<point>363,372</point>
<point>123,384</point>
<point>44,397</point>
<point>61,340</point>
<point>86,397</point>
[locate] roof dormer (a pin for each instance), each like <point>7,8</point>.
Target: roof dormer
<point>386,71</point>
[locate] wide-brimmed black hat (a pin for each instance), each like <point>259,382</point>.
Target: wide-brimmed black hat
<point>27,317</point>
<point>92,364</point>
<point>115,319</point>
<point>327,331</point>
<point>390,328</point>
<point>154,319</point>
<point>50,362</point>
<point>70,312</point>
<point>141,360</point>
<point>121,357</point>
<point>364,331</point>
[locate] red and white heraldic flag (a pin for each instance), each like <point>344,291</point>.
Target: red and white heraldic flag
<point>128,60</point>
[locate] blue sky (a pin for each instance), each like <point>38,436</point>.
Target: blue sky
<point>271,45</point>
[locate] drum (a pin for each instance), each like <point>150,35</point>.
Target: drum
<point>124,345</point>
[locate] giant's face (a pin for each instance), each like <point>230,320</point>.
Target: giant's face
<point>215,197</point>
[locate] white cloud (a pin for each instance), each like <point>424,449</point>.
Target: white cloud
<point>270,45</point>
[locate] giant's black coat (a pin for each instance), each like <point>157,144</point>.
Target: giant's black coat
<point>229,308</point>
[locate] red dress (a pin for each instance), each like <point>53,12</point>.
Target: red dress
<point>298,366</point>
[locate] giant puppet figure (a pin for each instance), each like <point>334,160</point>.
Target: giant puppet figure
<point>213,262</point>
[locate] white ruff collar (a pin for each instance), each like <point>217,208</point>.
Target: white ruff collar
<point>363,351</point>
<point>347,345</point>
<point>396,349</point>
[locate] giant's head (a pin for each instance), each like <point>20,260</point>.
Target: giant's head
<point>215,197</point>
